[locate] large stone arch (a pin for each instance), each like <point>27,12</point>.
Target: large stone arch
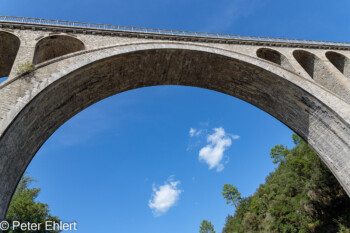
<point>59,89</point>
<point>9,46</point>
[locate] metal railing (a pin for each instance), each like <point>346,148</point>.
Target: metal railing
<point>78,25</point>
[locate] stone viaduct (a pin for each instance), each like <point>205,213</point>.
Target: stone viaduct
<point>304,84</point>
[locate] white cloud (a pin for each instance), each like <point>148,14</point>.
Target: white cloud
<point>192,132</point>
<point>213,152</point>
<point>164,197</point>
<point>195,132</point>
<point>235,137</point>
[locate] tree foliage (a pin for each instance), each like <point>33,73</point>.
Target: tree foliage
<point>25,209</point>
<point>206,227</point>
<point>231,194</point>
<point>301,195</point>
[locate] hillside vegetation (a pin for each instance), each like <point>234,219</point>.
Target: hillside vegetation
<point>301,195</point>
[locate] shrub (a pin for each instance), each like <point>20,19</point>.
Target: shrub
<point>25,68</point>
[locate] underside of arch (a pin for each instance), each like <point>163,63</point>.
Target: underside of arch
<point>9,45</point>
<point>89,84</point>
<point>56,46</point>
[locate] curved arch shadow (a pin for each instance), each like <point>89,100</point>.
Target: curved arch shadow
<point>341,62</point>
<point>308,61</point>
<point>275,57</point>
<point>72,93</point>
<point>9,46</point>
<point>319,72</point>
<point>55,46</point>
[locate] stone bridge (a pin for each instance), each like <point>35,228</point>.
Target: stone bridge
<point>304,84</point>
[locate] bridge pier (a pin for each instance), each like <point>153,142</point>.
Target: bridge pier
<point>25,54</point>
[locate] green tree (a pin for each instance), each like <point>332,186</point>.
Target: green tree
<point>231,194</point>
<point>279,154</point>
<point>25,209</point>
<point>206,227</point>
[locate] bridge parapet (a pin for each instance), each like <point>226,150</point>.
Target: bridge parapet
<point>115,30</point>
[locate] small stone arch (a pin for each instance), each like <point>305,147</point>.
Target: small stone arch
<point>275,57</point>
<point>319,72</point>
<point>307,61</point>
<point>9,46</point>
<point>341,62</point>
<point>55,46</point>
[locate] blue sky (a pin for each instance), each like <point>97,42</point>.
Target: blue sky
<point>131,163</point>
